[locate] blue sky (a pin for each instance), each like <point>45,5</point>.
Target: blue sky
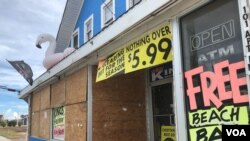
<point>21,21</point>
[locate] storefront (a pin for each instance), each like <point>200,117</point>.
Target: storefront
<point>215,80</point>
<point>180,75</point>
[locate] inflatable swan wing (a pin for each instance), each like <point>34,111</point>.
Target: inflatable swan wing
<point>51,58</point>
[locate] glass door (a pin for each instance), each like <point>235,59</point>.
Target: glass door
<point>163,112</point>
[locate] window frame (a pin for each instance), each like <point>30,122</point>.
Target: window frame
<point>89,19</point>
<point>103,6</point>
<point>75,33</point>
<point>130,4</point>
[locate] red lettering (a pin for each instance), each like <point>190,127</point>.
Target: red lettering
<point>191,90</point>
<point>208,91</point>
<point>212,81</point>
<point>237,82</point>
<point>221,79</point>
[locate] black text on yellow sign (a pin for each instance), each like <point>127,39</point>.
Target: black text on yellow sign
<point>152,49</point>
<point>112,66</point>
<point>168,133</point>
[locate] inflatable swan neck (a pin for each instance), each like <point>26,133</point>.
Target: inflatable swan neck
<point>51,58</point>
<point>47,38</point>
<point>44,38</point>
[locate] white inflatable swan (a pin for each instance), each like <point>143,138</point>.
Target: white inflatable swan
<point>51,58</point>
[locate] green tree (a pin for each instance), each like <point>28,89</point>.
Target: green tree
<point>2,123</point>
<point>12,123</point>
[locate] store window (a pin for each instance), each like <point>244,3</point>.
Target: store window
<point>75,39</point>
<point>58,123</point>
<point>108,12</point>
<point>132,3</point>
<point>213,66</point>
<point>88,29</point>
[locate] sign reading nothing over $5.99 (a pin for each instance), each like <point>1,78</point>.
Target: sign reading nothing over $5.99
<point>151,49</point>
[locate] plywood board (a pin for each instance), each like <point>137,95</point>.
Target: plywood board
<point>76,86</point>
<point>45,117</point>
<point>119,108</point>
<point>35,124</point>
<point>119,131</point>
<point>36,100</point>
<point>76,122</point>
<point>45,98</point>
<point>58,94</point>
<point>128,87</point>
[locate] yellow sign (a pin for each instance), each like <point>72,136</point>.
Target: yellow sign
<point>213,116</point>
<point>112,66</point>
<point>150,50</point>
<point>206,124</point>
<point>168,133</point>
<point>209,133</point>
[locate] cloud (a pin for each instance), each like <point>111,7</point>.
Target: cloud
<point>21,23</point>
<point>14,110</point>
<point>12,115</point>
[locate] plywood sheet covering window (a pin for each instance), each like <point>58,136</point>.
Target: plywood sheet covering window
<point>76,85</point>
<point>35,124</point>
<point>58,94</point>
<point>119,108</point>
<point>75,122</point>
<point>45,124</point>
<point>36,99</point>
<point>45,98</point>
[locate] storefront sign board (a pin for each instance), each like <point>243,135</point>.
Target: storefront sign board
<point>168,133</point>
<point>111,66</point>
<point>152,49</point>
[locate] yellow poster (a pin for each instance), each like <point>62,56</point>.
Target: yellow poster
<point>206,124</point>
<point>210,133</point>
<point>111,66</point>
<point>168,133</point>
<point>149,50</point>
<point>227,115</point>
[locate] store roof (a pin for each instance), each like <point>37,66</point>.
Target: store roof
<point>69,19</point>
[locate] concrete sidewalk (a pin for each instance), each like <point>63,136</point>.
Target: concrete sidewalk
<point>4,139</point>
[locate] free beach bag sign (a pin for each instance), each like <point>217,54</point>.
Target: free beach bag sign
<point>216,91</point>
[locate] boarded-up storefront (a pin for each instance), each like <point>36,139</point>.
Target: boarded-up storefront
<point>61,107</point>
<point>178,74</point>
